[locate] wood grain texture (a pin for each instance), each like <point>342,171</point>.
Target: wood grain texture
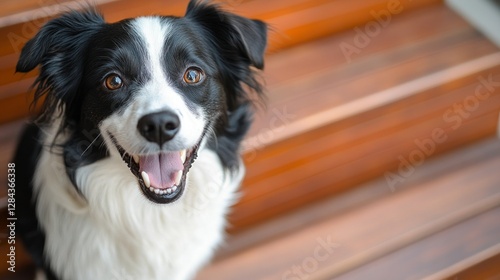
<point>431,258</point>
<point>455,209</point>
<point>354,122</point>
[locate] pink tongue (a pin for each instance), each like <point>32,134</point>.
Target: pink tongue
<point>161,168</point>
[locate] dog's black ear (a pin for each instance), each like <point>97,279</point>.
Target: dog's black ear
<point>59,40</point>
<point>228,143</point>
<point>239,44</point>
<point>59,48</point>
<point>246,36</point>
<point>251,39</point>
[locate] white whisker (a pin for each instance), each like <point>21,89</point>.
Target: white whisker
<point>91,143</point>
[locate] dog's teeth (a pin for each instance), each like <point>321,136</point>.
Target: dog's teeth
<point>169,190</point>
<point>151,189</point>
<point>157,191</point>
<point>174,188</point>
<point>183,155</point>
<point>145,177</point>
<point>136,158</point>
<point>178,177</point>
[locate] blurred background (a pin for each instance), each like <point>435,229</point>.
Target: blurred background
<point>376,155</point>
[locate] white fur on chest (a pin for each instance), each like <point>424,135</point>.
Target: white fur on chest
<point>117,233</point>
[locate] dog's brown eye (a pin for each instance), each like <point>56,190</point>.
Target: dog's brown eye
<point>193,76</point>
<point>113,82</point>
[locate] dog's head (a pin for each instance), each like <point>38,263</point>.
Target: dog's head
<point>151,90</point>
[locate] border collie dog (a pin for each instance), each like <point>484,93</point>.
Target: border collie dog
<point>130,168</point>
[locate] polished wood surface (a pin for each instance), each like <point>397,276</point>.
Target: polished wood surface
<point>351,122</point>
<point>435,224</point>
<point>335,122</point>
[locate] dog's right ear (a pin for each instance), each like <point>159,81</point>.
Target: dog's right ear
<point>60,38</point>
<point>59,48</point>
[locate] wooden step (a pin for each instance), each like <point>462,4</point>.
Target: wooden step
<point>331,125</point>
<point>441,222</point>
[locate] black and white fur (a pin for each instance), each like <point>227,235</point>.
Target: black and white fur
<point>85,210</point>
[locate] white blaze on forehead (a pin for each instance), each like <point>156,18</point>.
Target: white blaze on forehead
<point>153,33</point>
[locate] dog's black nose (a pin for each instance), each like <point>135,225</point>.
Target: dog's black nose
<point>159,127</point>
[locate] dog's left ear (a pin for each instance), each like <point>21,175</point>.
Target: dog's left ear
<point>245,36</point>
<point>252,39</point>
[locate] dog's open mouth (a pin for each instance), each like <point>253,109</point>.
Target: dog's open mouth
<point>161,176</point>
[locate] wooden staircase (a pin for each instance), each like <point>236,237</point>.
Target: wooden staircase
<point>375,155</point>
<point>442,220</point>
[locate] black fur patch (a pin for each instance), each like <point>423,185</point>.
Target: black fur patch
<point>227,145</point>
